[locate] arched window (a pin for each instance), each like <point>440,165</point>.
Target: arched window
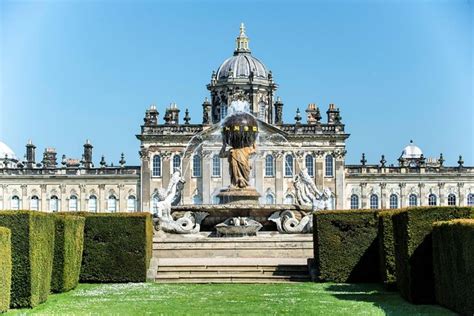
<point>92,204</point>
<point>374,201</point>
<point>197,200</point>
<point>329,166</point>
<point>196,166</point>
<point>15,203</point>
<point>131,204</point>
<point>354,202</point>
<point>54,203</point>
<point>269,166</point>
<point>176,163</point>
<point>393,201</point>
<point>289,166</point>
<point>451,199</point>
<point>112,204</point>
<point>432,199</point>
<point>216,166</point>
<point>156,166</point>
<point>288,199</point>
<point>154,204</point>
<point>34,203</point>
<point>470,199</point>
<point>309,162</point>
<point>269,199</point>
<point>73,203</point>
<point>412,200</point>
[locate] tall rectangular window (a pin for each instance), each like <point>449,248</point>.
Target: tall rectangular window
<point>196,166</point>
<point>216,166</point>
<point>329,166</point>
<point>269,166</point>
<point>176,163</point>
<point>288,166</point>
<point>309,162</point>
<point>156,166</point>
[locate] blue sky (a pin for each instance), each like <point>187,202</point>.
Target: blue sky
<point>398,70</point>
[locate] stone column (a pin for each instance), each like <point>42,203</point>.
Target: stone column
<point>2,196</point>
<point>319,171</point>
<point>299,161</point>
<point>122,205</point>
<point>279,175</point>
<point>166,163</point>
<point>461,197</point>
<point>339,179</point>
<point>43,202</point>
<point>421,201</point>
<point>101,203</point>
<point>206,177</point>
<point>259,167</point>
<point>63,205</point>
<point>225,173</point>
<point>441,194</point>
<point>24,205</point>
<point>383,196</point>
<point>186,171</point>
<point>402,186</point>
<point>363,195</point>
<point>82,198</point>
<point>145,180</point>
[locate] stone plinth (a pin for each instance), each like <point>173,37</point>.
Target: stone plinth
<point>239,196</point>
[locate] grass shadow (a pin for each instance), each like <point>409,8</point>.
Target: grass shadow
<point>390,302</point>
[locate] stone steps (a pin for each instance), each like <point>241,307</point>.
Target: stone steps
<point>269,257</point>
<point>231,270</point>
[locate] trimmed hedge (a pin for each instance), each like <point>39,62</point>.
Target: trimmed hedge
<point>68,246</point>
<point>32,236</point>
<point>117,246</point>
<point>453,264</point>
<point>387,249</point>
<point>346,246</point>
<point>413,249</point>
<point>5,268</point>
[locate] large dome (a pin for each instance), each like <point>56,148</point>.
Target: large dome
<point>411,151</point>
<point>6,151</point>
<point>241,66</point>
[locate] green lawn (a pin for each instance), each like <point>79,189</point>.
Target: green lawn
<point>262,299</point>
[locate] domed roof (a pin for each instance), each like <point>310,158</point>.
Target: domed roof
<point>411,151</point>
<point>242,64</point>
<point>6,151</point>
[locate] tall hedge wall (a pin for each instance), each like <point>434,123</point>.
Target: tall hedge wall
<point>453,264</point>
<point>68,246</point>
<point>5,268</point>
<point>32,236</point>
<point>387,249</point>
<point>346,246</point>
<point>413,249</point>
<point>117,247</point>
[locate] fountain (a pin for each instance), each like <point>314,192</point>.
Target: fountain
<point>238,212</point>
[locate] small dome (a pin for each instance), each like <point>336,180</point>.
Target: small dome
<point>241,65</point>
<point>411,151</point>
<point>6,151</point>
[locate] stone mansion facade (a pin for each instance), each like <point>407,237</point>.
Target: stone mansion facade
<point>173,143</point>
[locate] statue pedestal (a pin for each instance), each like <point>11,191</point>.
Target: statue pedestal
<point>238,196</point>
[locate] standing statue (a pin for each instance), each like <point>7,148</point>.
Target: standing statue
<point>190,223</point>
<point>239,131</point>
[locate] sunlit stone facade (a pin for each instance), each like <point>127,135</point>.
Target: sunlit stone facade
<point>315,140</point>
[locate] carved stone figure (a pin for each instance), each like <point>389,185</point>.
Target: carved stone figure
<point>287,222</point>
<point>190,223</point>
<point>238,227</point>
<point>308,194</point>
